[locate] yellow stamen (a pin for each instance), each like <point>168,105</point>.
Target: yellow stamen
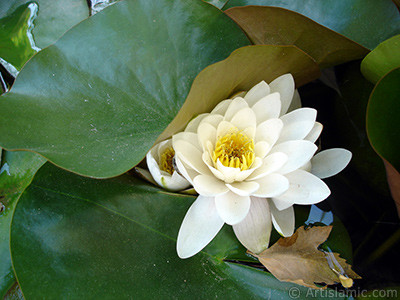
<point>166,160</point>
<point>234,150</point>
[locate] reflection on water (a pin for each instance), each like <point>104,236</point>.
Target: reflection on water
<point>99,5</point>
<point>17,28</point>
<point>5,168</point>
<point>317,215</point>
<point>34,8</point>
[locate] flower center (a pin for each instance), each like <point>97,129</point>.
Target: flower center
<point>166,160</point>
<point>234,150</point>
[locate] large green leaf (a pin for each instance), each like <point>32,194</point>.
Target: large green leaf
<point>367,22</point>
<point>16,41</point>
<point>95,101</point>
<point>239,72</point>
<point>274,26</point>
<point>54,17</point>
<point>383,123</point>
<point>382,59</point>
<point>17,171</point>
<point>79,238</point>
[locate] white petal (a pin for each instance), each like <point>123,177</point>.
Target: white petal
<point>281,205</point>
<point>210,164</point>
<point>209,186</point>
<point>270,164</point>
<point>267,108</point>
<point>283,220</point>
<point>191,155</point>
<point>185,170</point>
<point>255,230</point>
<point>228,172</point>
<point>244,118</point>
<point>246,173</point>
<point>206,132</point>
<point>190,137</point>
<point>261,149</point>
<point>212,119</point>
<point>315,132</point>
<point>194,123</point>
<point>236,105</point>
<point>329,162</point>
<point>297,124</point>
<point>232,208</point>
<point>249,132</point>
<point>151,161</point>
<point>304,188</point>
<point>221,107</point>
<point>284,85</point>
<point>224,128</point>
<point>298,152</point>
<point>272,185</point>
<point>174,183</point>
<point>257,92</point>
<point>296,101</point>
<point>200,225</point>
<point>269,131</point>
<point>244,188</point>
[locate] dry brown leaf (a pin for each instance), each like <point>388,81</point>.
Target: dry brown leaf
<point>297,259</point>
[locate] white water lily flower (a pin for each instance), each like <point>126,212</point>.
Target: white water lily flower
<point>250,161</point>
<point>160,163</point>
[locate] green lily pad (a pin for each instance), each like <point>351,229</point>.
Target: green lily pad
<point>239,72</point>
<point>383,124</point>
<point>16,172</point>
<point>116,239</point>
<point>274,26</point>
<point>17,44</point>
<point>367,22</point>
<point>54,17</point>
<point>382,59</point>
<point>97,108</point>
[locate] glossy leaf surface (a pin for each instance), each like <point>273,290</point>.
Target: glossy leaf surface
<point>367,22</point>
<point>16,172</point>
<point>383,123</point>
<point>102,104</point>
<point>17,44</point>
<point>116,238</point>
<point>382,59</point>
<point>54,17</point>
<point>274,26</point>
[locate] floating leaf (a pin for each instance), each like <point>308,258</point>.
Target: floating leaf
<point>118,237</point>
<point>17,171</point>
<point>97,108</point>
<point>367,22</point>
<point>382,59</point>
<point>297,259</point>
<point>54,17</point>
<point>274,26</point>
<point>16,41</point>
<point>383,123</point>
<point>239,72</point>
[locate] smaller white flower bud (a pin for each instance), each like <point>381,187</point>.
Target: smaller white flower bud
<point>160,163</point>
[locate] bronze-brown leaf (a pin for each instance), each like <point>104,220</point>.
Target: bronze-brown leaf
<point>297,259</point>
